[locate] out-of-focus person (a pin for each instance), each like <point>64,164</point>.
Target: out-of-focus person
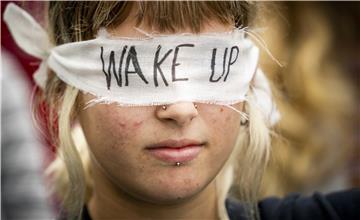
<point>23,195</point>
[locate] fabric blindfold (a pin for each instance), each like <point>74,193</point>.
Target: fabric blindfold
<point>213,68</point>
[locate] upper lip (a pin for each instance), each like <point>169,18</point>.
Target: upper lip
<point>176,143</point>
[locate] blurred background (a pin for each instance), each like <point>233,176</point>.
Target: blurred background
<point>316,145</point>
<point>24,154</point>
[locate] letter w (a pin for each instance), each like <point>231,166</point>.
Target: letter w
<point>112,67</point>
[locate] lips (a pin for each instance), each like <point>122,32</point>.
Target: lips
<point>173,151</point>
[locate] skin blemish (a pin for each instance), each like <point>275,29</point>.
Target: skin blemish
<point>137,124</point>
<point>122,124</point>
<point>221,109</point>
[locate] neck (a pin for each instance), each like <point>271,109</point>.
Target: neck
<point>107,204</point>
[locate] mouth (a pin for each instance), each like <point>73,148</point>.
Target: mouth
<point>173,151</point>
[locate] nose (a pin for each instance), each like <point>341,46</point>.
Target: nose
<point>180,113</point>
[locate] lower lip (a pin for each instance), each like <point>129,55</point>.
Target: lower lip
<point>174,155</point>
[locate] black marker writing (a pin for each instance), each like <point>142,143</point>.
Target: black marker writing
<point>132,56</point>
<point>231,62</point>
<point>118,79</point>
<point>129,56</point>
<point>213,65</point>
<point>112,67</point>
<point>174,63</point>
<point>107,75</point>
<point>157,66</point>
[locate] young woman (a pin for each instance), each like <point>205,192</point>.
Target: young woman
<point>171,102</point>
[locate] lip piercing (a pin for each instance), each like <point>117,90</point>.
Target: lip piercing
<point>177,164</point>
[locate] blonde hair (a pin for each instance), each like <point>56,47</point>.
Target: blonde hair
<point>70,171</point>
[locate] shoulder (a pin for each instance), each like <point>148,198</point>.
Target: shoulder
<point>334,206</point>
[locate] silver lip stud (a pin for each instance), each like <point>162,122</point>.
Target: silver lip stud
<point>177,164</point>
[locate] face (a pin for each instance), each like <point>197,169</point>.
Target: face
<point>135,149</point>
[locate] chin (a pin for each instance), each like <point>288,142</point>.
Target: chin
<point>173,193</point>
<point>171,198</point>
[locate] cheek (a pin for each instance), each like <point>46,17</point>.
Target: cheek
<point>223,120</point>
<point>110,127</point>
<point>224,125</point>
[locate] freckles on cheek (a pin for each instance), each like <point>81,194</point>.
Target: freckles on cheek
<point>214,120</point>
<point>226,118</point>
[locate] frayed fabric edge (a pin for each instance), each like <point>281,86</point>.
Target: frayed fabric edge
<point>106,100</point>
